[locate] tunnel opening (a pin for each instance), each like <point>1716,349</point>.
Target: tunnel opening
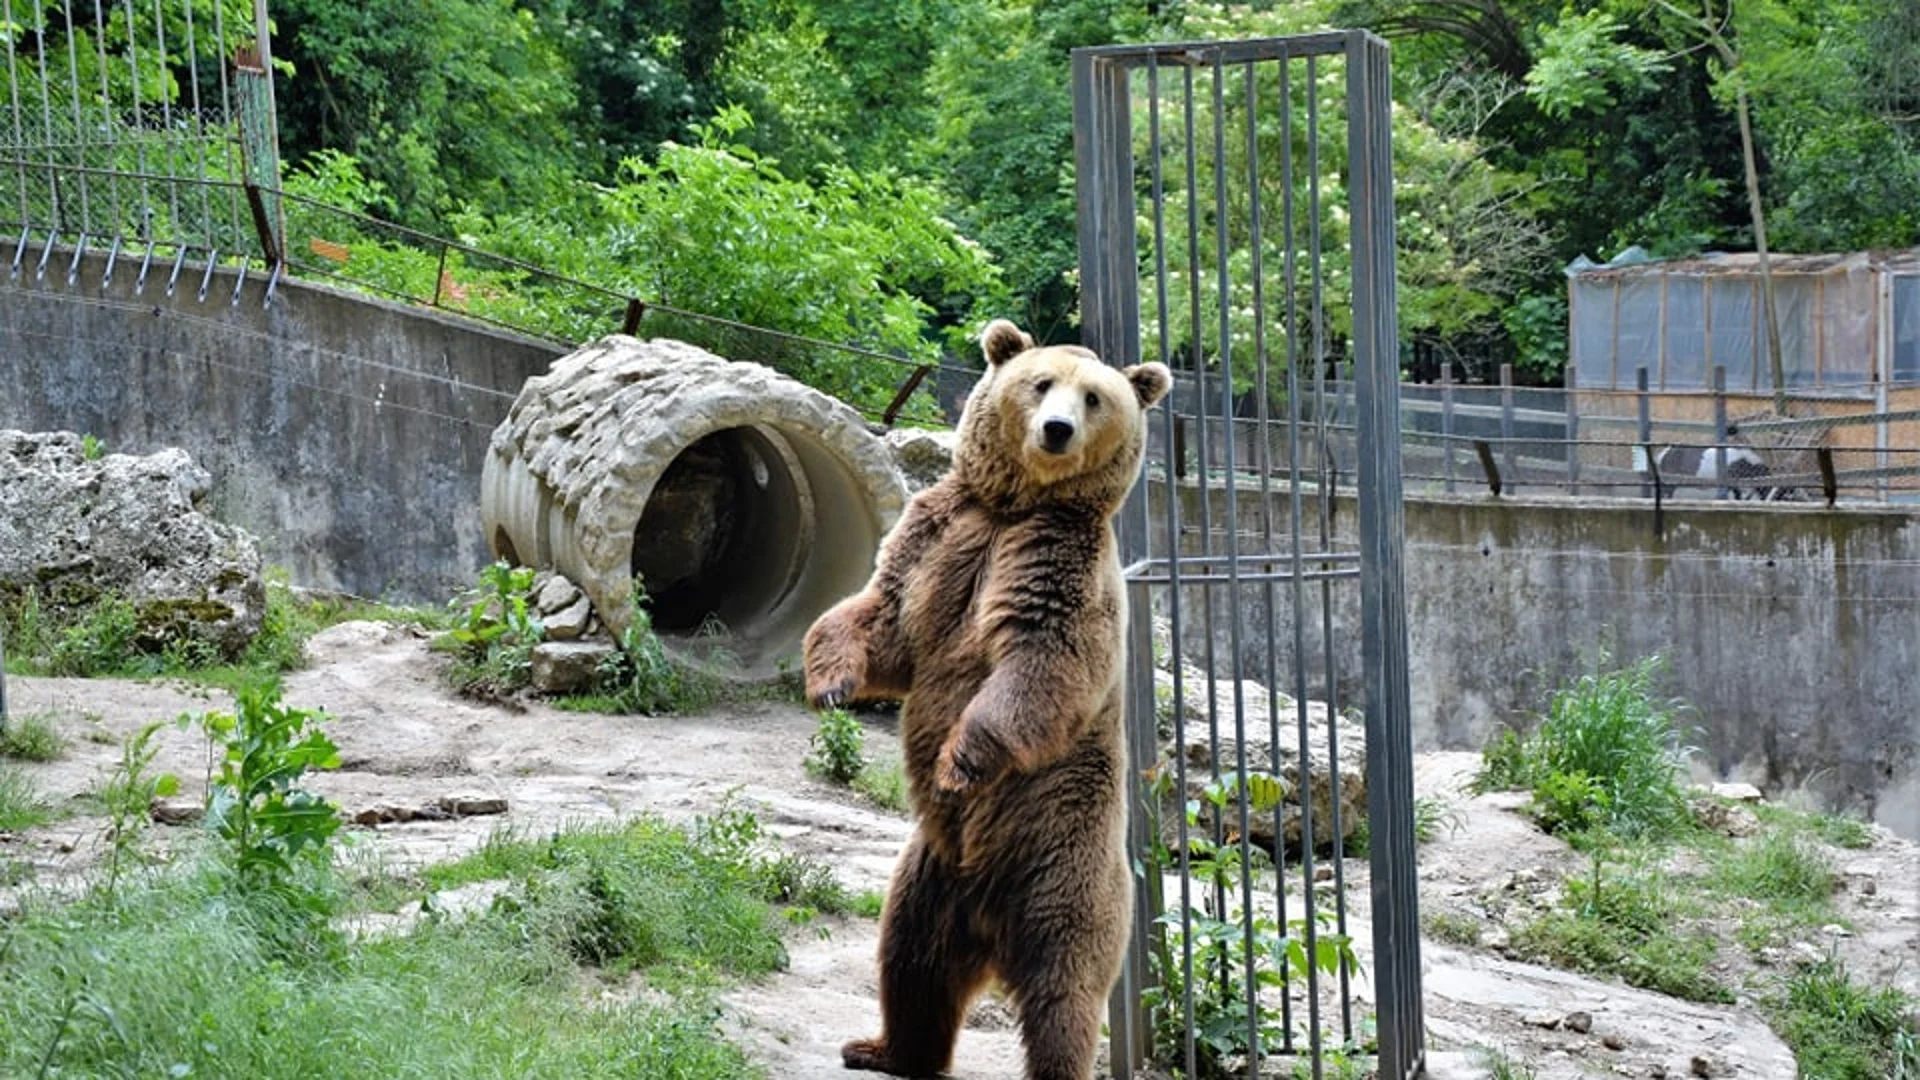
<point>718,544</point>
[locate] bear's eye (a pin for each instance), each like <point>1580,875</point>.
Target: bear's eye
<point>1042,387</point>
<point>1093,400</point>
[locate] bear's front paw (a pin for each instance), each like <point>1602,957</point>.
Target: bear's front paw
<point>830,693</point>
<point>968,760</point>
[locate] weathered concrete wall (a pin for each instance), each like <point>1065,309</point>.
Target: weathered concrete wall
<point>346,434</point>
<point>1794,632</point>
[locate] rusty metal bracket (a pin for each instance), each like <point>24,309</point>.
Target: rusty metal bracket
<point>1488,465</point>
<point>1829,484</point>
<point>262,224</point>
<point>636,310</point>
<point>906,391</point>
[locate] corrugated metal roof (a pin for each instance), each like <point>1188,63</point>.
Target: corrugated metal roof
<point>1897,261</point>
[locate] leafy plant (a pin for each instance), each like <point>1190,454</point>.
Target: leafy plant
<point>1606,756</point>
<point>91,448</point>
<point>495,632</point>
<point>641,677</point>
<point>254,801</point>
<point>837,754</point>
<point>885,783</point>
<point>1213,939</point>
<point>128,797</point>
<point>1625,924</point>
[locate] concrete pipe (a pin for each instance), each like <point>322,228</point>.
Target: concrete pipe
<point>745,502</point>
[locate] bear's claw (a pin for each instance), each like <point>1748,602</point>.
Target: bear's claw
<point>872,1055</point>
<point>833,696</point>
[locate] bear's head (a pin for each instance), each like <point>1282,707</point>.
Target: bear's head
<point>1053,424</point>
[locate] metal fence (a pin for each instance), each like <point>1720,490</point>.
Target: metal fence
<point>146,130</point>
<point>1545,441</point>
<point>1252,182</point>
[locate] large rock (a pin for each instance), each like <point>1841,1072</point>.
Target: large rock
<point>77,530</point>
<point>923,456</point>
<point>1343,741</point>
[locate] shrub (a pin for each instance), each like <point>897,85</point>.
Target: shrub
<point>837,754</point>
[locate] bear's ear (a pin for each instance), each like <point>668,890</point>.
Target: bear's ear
<point>1150,381</point>
<point>1001,341</point>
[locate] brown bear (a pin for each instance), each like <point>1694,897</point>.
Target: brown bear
<point>995,614</point>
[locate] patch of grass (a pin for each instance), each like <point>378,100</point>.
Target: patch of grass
<point>1500,1066</point>
<point>1842,831</point>
<point>868,903</point>
<point>642,677</point>
<point>1605,757</point>
<point>1841,1030</point>
<point>21,806</point>
<point>181,978</point>
<point>1628,924</point>
<point>32,737</point>
<point>1430,813</point>
<point>885,785</point>
<point>1449,927</point>
<point>1781,870</point>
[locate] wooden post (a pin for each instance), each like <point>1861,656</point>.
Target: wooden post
<point>1488,465</point>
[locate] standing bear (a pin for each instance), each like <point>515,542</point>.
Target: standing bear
<point>996,614</point>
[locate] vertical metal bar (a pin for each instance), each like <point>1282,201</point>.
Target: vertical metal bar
<point>1176,624</point>
<point>79,124</point>
<point>46,130</point>
<point>1104,168</point>
<point>1882,374</point>
<point>1446,418</point>
<point>1235,628</point>
<point>1720,440</point>
<point>1572,409</point>
<point>3,680</point>
<point>166,124</point>
<point>145,229</point>
<point>19,134</point>
<point>107,123</point>
<point>1310,903</point>
<point>228,134</point>
<point>1396,923</point>
<point>199,133</point>
<point>1290,286</point>
<point>1507,450</point>
<point>263,48</point>
<point>1645,428</point>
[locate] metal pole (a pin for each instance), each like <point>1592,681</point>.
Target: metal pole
<point>3,681</point>
<point>1720,440</point>
<point>1646,424</point>
<point>1506,421</point>
<point>1573,433</point>
<point>1446,418</point>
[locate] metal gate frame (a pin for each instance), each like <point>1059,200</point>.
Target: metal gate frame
<point>1111,270</point>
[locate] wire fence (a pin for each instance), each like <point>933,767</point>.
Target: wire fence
<point>1505,439</point>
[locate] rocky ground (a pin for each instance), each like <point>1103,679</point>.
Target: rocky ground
<point>408,743</point>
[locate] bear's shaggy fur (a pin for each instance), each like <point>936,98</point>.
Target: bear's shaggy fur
<point>996,614</point>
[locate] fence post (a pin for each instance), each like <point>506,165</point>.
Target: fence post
<point>1573,435</point>
<point>1881,406</point>
<point>1720,447</point>
<point>1506,421</point>
<point>3,681</point>
<point>1646,424</point>
<point>1446,418</point>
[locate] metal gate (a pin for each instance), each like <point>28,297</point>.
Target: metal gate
<point>141,127</point>
<point>1237,223</point>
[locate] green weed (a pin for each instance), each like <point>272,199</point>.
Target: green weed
<point>493,633</point>
<point>1605,757</point>
<point>32,737</point>
<point>1451,928</point>
<point>1782,870</point>
<point>641,677</point>
<point>1501,1066</point>
<point>885,785</point>
<point>127,797</point>
<point>837,755</point>
<point>91,448</point>
<point>21,806</point>
<point>868,904</point>
<point>1841,1030</point>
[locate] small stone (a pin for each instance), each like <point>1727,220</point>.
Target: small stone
<point>1836,930</point>
<point>383,814</point>
<point>1738,792</point>
<point>473,805</point>
<point>176,811</point>
<point>569,622</point>
<point>558,593</point>
<point>1613,1042</point>
<point>1497,939</point>
<point>1701,1066</point>
<point>1323,872</point>
<point>561,667</point>
<point>1578,1021</point>
<point>1545,1020</point>
<point>1807,952</point>
<point>1657,1071</point>
<point>1734,821</point>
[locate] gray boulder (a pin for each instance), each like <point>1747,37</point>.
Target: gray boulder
<point>75,530</point>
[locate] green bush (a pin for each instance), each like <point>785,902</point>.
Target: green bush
<point>493,634</point>
<point>1605,756</point>
<point>837,755</point>
<point>1841,1030</point>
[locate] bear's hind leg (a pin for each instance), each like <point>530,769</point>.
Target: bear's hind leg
<point>931,966</point>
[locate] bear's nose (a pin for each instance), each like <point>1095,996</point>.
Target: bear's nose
<point>1055,434</point>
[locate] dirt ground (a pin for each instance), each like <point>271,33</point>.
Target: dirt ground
<point>408,741</point>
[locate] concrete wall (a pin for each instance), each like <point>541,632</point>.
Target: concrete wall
<point>1794,632</point>
<point>347,434</point>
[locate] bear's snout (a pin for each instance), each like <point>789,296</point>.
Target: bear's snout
<point>1056,435</point>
